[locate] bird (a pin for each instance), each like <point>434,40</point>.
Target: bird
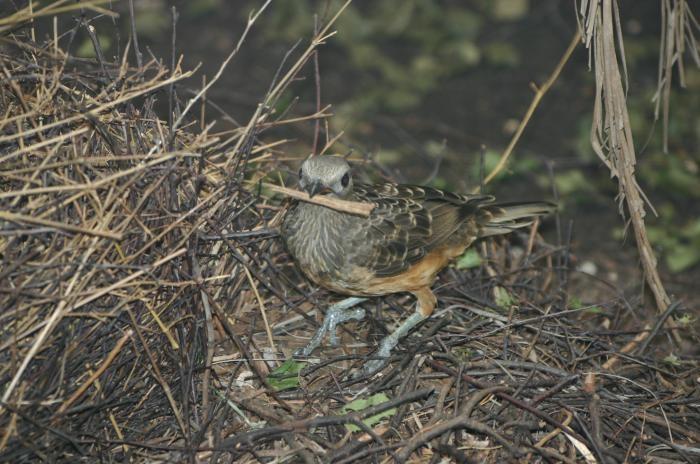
<point>411,234</point>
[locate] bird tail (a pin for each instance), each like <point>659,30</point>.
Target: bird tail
<point>506,217</point>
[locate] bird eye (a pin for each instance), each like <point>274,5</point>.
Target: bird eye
<point>345,180</point>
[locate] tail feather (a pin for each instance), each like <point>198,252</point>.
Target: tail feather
<point>506,217</point>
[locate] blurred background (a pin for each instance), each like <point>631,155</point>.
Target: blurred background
<point>429,88</point>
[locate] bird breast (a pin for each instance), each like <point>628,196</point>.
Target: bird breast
<point>323,242</point>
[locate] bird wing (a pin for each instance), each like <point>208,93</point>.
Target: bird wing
<point>408,222</point>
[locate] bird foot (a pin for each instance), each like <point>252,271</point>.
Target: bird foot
<point>357,314</point>
<point>381,357</point>
<point>303,352</point>
<point>336,314</point>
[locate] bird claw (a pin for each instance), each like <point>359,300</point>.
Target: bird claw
<point>336,314</point>
<point>333,335</point>
<point>302,352</point>
<point>338,318</point>
<point>333,339</point>
<point>381,357</point>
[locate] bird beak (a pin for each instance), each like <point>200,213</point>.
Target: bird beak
<point>314,188</point>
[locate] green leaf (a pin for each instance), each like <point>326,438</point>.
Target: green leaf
<point>491,159</point>
<point>575,303</point>
<point>462,24</point>
<point>681,257</point>
<point>594,310</point>
<point>397,20</point>
<point>462,54</point>
<point>686,320</point>
<point>87,49</point>
<point>502,54</point>
<point>503,298</point>
<point>462,353</point>
<point>202,8</point>
<point>152,20</point>
<point>469,259</point>
<point>286,376</point>
<point>364,403</point>
<point>691,230</point>
<point>572,182</point>
<point>283,102</point>
<point>440,183</point>
<point>509,10</point>
<point>388,156</point>
<point>673,360</point>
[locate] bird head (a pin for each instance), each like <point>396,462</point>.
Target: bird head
<point>326,175</point>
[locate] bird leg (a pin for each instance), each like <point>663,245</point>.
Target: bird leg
<point>337,314</point>
<point>425,305</point>
<point>389,342</point>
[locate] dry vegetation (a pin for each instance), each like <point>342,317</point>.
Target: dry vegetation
<point>145,298</point>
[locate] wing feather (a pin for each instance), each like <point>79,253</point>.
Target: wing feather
<point>409,221</point>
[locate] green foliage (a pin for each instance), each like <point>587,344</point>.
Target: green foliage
<point>573,187</point>
<point>682,257</point>
<point>463,353</point>
<point>572,182</point>
<point>388,156</point>
<point>286,376</point>
<point>400,49</point>
<point>201,8</point>
<point>673,177</point>
<point>576,303</point>
<point>361,404</point>
<point>686,320</point>
<point>491,158</point>
<point>673,360</point>
<point>87,50</point>
<point>673,173</point>
<point>504,298</point>
<point>288,20</point>
<point>283,102</point>
<point>152,20</point>
<point>509,10</point>
<point>502,54</point>
<point>680,246</point>
<point>469,259</point>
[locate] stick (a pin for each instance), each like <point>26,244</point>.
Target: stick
<point>12,217</point>
<point>352,207</point>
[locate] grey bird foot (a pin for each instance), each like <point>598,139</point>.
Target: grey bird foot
<point>340,312</point>
<point>304,351</point>
<point>381,357</point>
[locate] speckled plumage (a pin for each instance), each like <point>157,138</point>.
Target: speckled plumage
<point>410,235</point>
<point>342,252</point>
